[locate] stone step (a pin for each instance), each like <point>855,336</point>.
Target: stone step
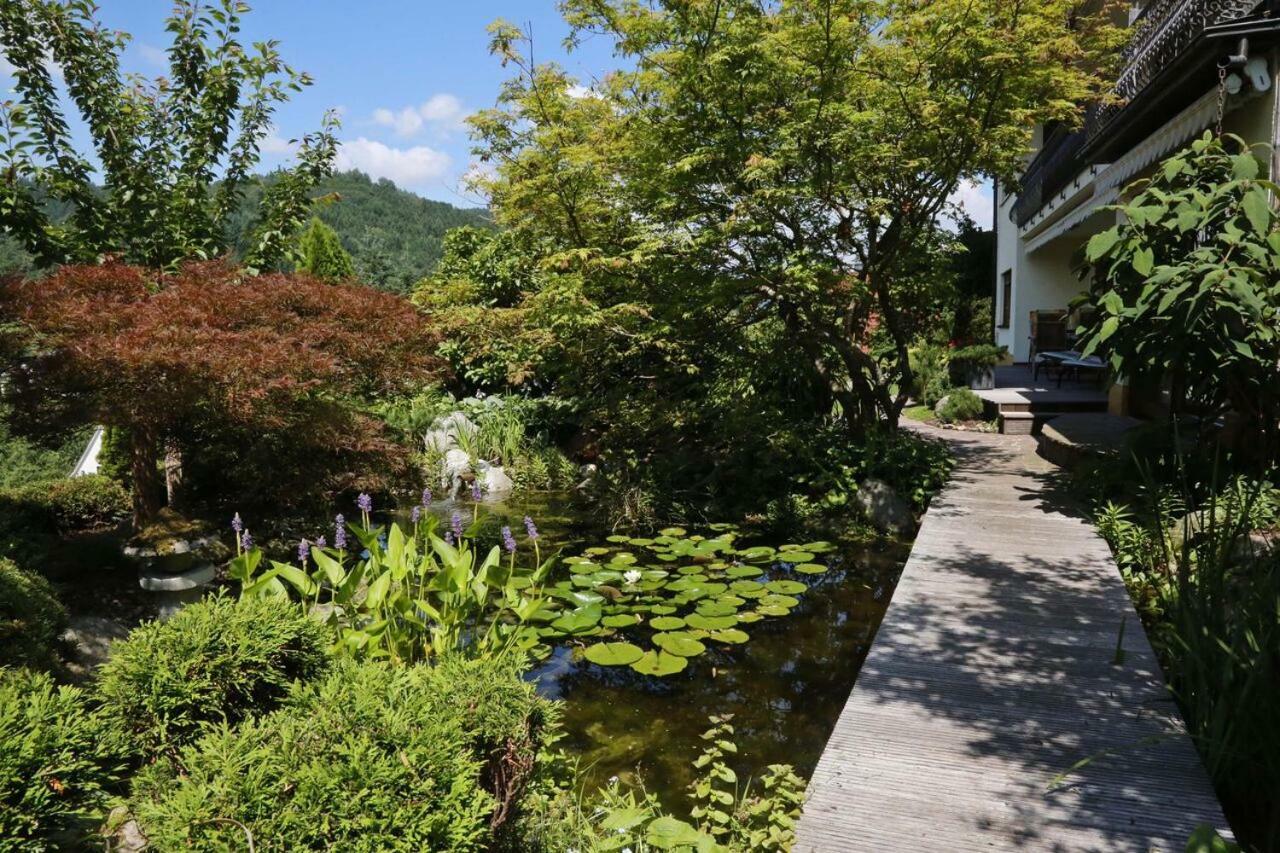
<point>1026,423</point>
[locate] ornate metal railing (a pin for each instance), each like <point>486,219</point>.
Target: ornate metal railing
<point>1163,30</point>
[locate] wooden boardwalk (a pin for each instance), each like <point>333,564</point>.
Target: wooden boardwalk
<point>992,674</point>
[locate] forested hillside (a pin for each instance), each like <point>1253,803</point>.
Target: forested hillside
<point>393,236</point>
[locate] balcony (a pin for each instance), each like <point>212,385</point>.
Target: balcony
<point>1170,58</point>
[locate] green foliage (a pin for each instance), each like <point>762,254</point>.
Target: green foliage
<point>1208,597</point>
<point>961,405</point>
<point>34,514</point>
<point>22,462</point>
<point>371,758</point>
<point>57,764</point>
<point>220,660</point>
<point>751,166</point>
<point>173,153</point>
<point>393,236</point>
<point>1187,287</point>
<point>31,618</point>
<point>321,254</point>
<point>930,372</point>
<point>412,598</point>
<point>729,815</point>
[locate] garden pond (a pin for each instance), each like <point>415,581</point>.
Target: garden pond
<point>695,622</point>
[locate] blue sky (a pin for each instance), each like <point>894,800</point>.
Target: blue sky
<point>402,74</point>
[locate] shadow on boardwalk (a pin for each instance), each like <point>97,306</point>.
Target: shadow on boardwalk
<point>999,667</point>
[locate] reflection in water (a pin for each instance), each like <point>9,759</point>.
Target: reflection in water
<point>785,687</point>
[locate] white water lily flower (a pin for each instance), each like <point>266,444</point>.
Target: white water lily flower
<point>632,576</point>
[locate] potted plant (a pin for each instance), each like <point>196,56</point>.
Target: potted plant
<point>974,366</point>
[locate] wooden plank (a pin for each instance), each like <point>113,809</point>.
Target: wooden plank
<point>993,673</point>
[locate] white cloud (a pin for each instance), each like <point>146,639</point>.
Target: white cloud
<point>443,113</point>
<point>153,55</point>
<point>274,143</point>
<point>577,90</point>
<point>407,167</point>
<point>975,199</point>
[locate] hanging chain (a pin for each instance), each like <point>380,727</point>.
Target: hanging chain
<point>1222,96</point>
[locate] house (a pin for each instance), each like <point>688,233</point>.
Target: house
<point>1185,61</point>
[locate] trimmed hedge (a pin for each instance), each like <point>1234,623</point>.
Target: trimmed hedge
<point>57,764</point>
<point>31,516</point>
<point>215,661</point>
<point>31,618</point>
<point>373,757</point>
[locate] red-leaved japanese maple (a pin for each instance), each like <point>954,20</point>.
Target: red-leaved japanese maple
<point>180,360</point>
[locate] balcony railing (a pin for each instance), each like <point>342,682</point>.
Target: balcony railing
<point>1163,30</point>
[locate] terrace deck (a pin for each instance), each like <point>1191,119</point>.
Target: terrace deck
<point>994,672</point>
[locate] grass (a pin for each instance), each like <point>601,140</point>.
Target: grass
<point>922,414</point>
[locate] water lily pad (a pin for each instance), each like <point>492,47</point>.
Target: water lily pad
<point>617,537</point>
<point>669,558</point>
<point>620,620</point>
<point>758,554</point>
<point>673,531</point>
<point>625,559</point>
<point>746,587</point>
<point>786,587</point>
<point>613,654</point>
<point>664,609</point>
<point>666,623</point>
<point>569,561</point>
<point>659,663</point>
<point>750,616</point>
<point>678,643</point>
<point>579,619</point>
<point>710,623</point>
<point>818,547</point>
<point>597,551</point>
<point>774,599</point>
<point>690,570</point>
<point>811,568</point>
<point>795,557</point>
<point>640,543</point>
<point>730,635</point>
<point>734,600</point>
<point>772,610</point>
<point>716,608</point>
<point>743,571</point>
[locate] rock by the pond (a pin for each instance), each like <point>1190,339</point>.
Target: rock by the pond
<point>174,591</point>
<point>495,482</point>
<point>941,404</point>
<point>445,430</point>
<point>588,474</point>
<point>883,507</point>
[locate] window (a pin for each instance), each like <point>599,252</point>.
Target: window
<point>1006,297</point>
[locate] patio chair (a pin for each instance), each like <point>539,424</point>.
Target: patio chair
<point>1048,332</point>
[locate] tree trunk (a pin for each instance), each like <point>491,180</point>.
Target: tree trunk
<point>173,474</point>
<point>146,477</point>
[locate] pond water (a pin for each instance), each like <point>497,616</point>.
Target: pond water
<point>785,687</point>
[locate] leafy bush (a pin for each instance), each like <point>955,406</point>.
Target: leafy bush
<point>728,814</point>
<point>961,405</point>
<point>1184,289</point>
<point>31,618</point>
<point>23,462</point>
<point>33,514</point>
<point>56,764</point>
<point>371,758</point>
<point>218,660</point>
<point>932,379</point>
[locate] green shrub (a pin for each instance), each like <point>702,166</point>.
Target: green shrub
<point>218,660</point>
<point>373,757</point>
<point>31,618</point>
<point>929,367</point>
<point>56,764</point>
<point>966,360</point>
<point>961,405</point>
<point>33,515</point>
